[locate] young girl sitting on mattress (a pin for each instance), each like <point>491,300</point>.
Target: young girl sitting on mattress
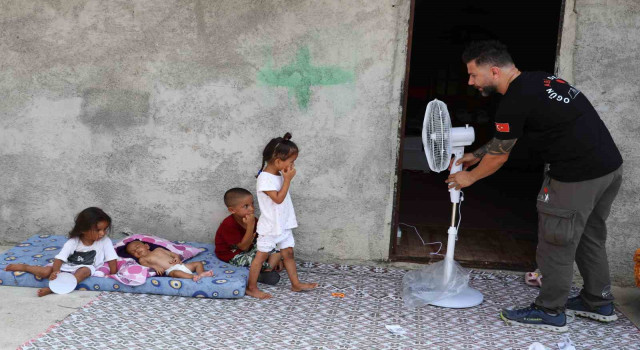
<point>86,250</point>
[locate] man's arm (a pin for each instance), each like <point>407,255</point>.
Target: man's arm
<point>491,156</point>
<point>495,147</point>
<point>482,150</point>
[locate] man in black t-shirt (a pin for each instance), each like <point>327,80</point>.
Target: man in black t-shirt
<point>582,178</point>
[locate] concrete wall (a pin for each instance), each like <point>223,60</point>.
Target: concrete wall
<point>606,69</point>
<point>567,44</point>
<point>152,109</point>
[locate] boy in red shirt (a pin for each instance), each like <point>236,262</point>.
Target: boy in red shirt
<point>236,235</point>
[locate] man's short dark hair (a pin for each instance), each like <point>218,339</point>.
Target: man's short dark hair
<point>490,52</point>
<point>232,196</point>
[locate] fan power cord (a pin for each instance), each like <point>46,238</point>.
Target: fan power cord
<point>423,242</point>
<point>459,213</point>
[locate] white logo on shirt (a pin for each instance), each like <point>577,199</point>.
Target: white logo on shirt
<point>553,95</point>
<point>573,92</point>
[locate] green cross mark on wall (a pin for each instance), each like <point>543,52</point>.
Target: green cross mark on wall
<point>300,75</point>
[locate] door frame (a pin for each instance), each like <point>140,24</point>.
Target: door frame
<point>405,96</point>
<point>564,49</point>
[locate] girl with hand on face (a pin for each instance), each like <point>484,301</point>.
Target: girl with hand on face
<point>277,216</point>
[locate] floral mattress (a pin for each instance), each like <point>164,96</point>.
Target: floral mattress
<point>228,281</point>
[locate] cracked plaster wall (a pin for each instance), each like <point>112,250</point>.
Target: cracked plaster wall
<point>605,67</point>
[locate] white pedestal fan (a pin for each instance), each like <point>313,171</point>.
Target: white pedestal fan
<point>440,141</point>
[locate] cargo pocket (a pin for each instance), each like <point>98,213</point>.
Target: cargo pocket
<point>556,224</point>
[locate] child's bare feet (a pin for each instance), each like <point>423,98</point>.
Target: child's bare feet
<point>257,293</point>
<point>209,273</point>
<point>44,291</point>
<point>301,287</point>
<point>15,267</point>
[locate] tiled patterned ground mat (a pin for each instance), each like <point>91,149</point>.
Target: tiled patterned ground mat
<point>349,310</point>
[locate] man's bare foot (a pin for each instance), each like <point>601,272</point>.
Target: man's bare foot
<point>44,291</point>
<point>301,287</point>
<point>257,293</point>
<point>15,267</point>
<point>209,273</point>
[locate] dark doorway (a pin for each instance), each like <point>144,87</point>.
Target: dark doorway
<point>499,220</point>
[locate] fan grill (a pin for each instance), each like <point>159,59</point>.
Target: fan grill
<point>436,135</point>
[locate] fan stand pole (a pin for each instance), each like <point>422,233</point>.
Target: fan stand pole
<point>451,243</point>
<point>468,297</point>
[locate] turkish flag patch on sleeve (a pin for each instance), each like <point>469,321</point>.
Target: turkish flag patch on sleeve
<point>502,127</point>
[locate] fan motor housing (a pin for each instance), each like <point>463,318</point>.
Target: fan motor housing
<point>462,136</point>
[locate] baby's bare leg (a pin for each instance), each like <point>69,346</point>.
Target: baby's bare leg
<point>180,274</point>
<point>38,271</point>
<point>195,266</point>
<point>198,267</point>
<point>203,274</point>
<point>290,265</point>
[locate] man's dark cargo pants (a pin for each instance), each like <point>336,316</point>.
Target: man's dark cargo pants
<point>571,226</point>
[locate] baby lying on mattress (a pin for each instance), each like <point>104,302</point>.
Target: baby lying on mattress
<point>165,262</point>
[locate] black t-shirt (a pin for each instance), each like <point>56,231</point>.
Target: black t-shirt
<point>562,125</point>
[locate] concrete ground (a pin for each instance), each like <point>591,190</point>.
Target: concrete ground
<point>24,316</point>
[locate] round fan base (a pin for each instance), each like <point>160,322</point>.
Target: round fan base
<point>468,297</point>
